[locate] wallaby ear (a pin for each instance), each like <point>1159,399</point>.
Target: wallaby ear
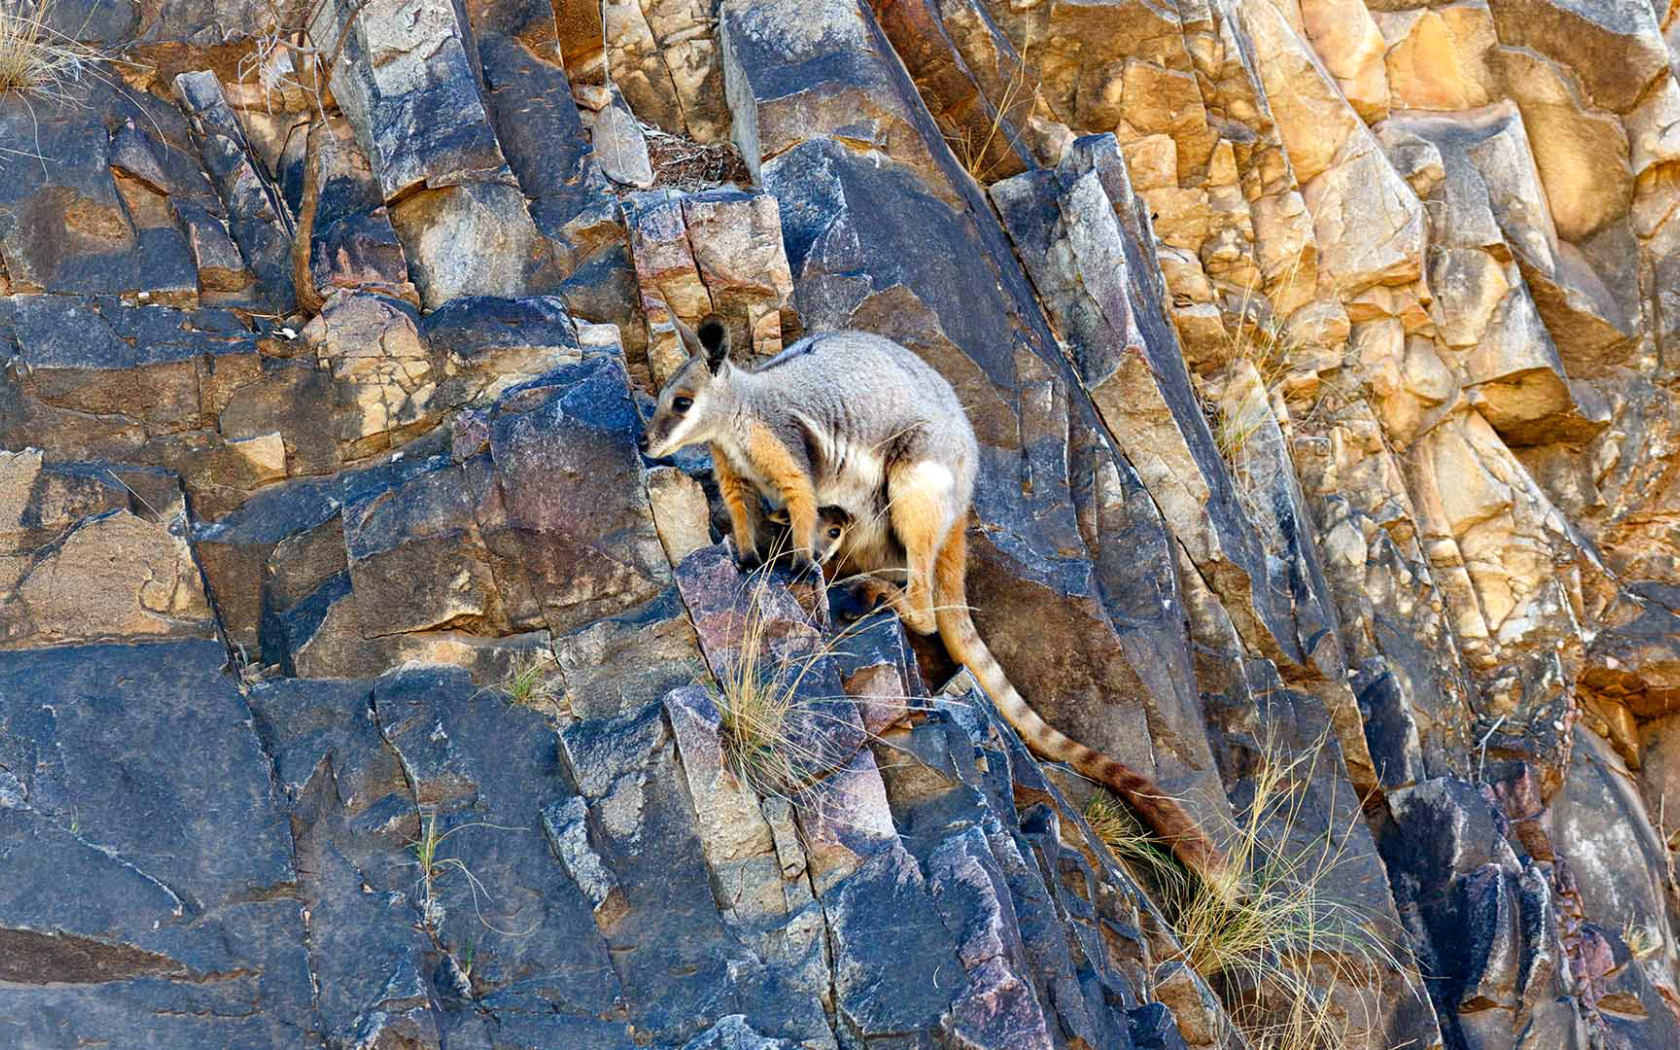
<point>713,336</point>
<point>690,341</point>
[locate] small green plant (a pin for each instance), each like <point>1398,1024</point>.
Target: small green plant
<point>425,849</point>
<point>534,682</point>
<point>1270,933</point>
<point>433,868</point>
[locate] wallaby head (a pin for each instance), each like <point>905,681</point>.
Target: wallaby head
<point>696,400</point>
<point>832,525</point>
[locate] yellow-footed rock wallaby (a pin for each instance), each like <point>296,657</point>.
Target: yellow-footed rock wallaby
<point>856,422</point>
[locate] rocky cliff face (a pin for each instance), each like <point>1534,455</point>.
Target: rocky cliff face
<point>362,686</point>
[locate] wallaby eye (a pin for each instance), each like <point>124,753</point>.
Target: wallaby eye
<point>834,533</point>
<point>682,404</point>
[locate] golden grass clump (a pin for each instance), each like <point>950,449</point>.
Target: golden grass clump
<point>1017,104</point>
<point>779,736</point>
<point>1643,941</point>
<point>761,710</point>
<point>37,60</point>
<point>1271,936</point>
<point>1126,837</point>
<point>1241,412</point>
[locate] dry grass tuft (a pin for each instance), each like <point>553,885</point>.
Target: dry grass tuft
<point>1271,942</point>
<point>1642,941</point>
<point>1249,398</point>
<point>764,718</point>
<point>1018,102</point>
<point>39,61</point>
<point>780,736</point>
<point>1240,413</point>
<point>1257,340</point>
<point>1127,838</point>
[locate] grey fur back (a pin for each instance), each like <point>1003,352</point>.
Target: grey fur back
<point>866,411</point>
<point>869,391</point>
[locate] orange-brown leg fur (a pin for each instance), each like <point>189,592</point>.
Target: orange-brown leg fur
<point>792,481</point>
<point>919,520</point>
<point>951,571</point>
<point>741,500</point>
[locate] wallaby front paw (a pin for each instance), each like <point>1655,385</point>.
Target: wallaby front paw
<point>803,566</point>
<point>748,559</point>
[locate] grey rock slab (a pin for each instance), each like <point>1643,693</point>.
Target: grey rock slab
<point>257,214</point>
<point>352,814</point>
<point>1153,1027</point>
<point>1092,276</point>
<point>85,211</point>
<point>483,772</point>
<point>883,924</point>
<point>669,943</point>
<point>529,99</point>
<point>416,555</point>
<point>150,858</point>
<point>144,747</point>
<point>471,325</point>
<point>568,526</point>
<point>397,74</point>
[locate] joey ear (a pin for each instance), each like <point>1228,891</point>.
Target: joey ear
<point>713,337</point>
<point>839,514</point>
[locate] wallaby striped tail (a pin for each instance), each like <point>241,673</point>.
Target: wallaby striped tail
<point>1190,844</point>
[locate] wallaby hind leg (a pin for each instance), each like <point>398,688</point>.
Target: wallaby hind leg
<point>920,495</point>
